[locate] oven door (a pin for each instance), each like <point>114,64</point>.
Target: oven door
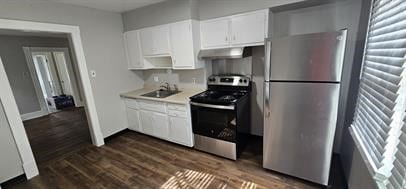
<point>215,121</point>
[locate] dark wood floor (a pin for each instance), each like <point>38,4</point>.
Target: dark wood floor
<point>132,160</point>
<point>57,134</point>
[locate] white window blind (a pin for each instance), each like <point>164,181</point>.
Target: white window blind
<point>380,106</point>
<point>398,177</point>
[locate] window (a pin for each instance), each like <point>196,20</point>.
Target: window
<point>378,120</point>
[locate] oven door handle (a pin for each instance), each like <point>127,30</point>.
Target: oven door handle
<point>231,107</point>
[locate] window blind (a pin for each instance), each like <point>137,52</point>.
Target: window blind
<point>398,177</point>
<point>380,106</point>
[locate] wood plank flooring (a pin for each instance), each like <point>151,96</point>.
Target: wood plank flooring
<point>56,134</point>
<point>133,160</point>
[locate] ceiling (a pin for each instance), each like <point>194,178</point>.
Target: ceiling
<point>110,5</point>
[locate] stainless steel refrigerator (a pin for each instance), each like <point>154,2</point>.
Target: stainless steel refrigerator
<point>302,85</point>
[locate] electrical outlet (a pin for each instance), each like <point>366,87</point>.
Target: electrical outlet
<point>26,74</point>
<point>156,78</point>
<point>93,73</point>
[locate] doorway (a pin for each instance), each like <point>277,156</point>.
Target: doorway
<point>56,82</point>
<point>27,60</point>
<point>9,102</point>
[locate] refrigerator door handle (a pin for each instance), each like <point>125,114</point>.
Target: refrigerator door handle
<point>267,109</point>
<point>267,58</point>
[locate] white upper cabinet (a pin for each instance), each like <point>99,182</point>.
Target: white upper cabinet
<point>155,41</point>
<point>215,33</point>
<point>248,29</point>
<point>161,40</point>
<point>184,45</point>
<point>176,45</point>
<point>133,49</point>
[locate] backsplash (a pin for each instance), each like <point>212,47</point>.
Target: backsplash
<point>183,78</point>
<point>241,66</point>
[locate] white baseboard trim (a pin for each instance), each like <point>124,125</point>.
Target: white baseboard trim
<point>33,115</point>
<point>30,169</point>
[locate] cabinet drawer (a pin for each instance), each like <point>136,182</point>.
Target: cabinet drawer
<point>131,103</point>
<point>177,107</point>
<point>152,106</point>
<point>176,113</point>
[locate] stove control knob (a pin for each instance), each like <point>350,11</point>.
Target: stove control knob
<point>240,80</point>
<point>245,81</point>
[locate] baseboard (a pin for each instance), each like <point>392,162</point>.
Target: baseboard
<point>30,169</point>
<point>33,115</point>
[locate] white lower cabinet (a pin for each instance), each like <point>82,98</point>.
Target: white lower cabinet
<point>160,125</point>
<point>180,131</point>
<point>133,118</point>
<point>146,122</point>
<point>163,120</point>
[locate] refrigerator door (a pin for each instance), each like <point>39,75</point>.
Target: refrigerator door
<point>299,126</point>
<point>309,57</point>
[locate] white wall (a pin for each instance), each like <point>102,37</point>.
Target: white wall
<point>158,14</point>
<point>211,9</point>
<point>101,34</point>
<point>15,64</point>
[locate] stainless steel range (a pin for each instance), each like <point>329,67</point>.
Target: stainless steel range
<point>221,115</point>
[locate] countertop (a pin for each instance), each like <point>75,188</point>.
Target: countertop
<point>179,98</point>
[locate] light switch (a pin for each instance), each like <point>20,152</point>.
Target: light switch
<point>156,78</point>
<point>92,73</point>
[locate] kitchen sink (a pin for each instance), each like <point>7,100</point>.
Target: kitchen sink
<point>160,93</point>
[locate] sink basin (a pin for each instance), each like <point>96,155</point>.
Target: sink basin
<point>160,93</point>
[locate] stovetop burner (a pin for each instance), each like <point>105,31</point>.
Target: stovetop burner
<point>224,90</point>
<point>227,98</point>
<point>219,97</point>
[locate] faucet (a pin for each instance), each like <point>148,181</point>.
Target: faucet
<point>175,88</point>
<point>166,86</point>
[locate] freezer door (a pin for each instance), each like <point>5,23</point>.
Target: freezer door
<point>309,57</point>
<point>299,126</point>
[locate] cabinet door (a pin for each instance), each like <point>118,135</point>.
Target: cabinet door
<point>160,125</point>
<point>249,28</point>
<point>133,49</point>
<point>147,41</point>
<point>146,122</point>
<point>133,119</point>
<point>182,45</point>
<point>179,130</point>
<point>215,33</point>
<point>161,40</point>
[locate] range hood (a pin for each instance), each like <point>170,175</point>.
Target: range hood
<point>226,53</point>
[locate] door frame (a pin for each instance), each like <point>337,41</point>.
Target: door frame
<point>72,76</point>
<point>10,105</point>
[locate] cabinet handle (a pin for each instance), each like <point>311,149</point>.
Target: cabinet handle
<point>234,37</point>
<point>226,38</point>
